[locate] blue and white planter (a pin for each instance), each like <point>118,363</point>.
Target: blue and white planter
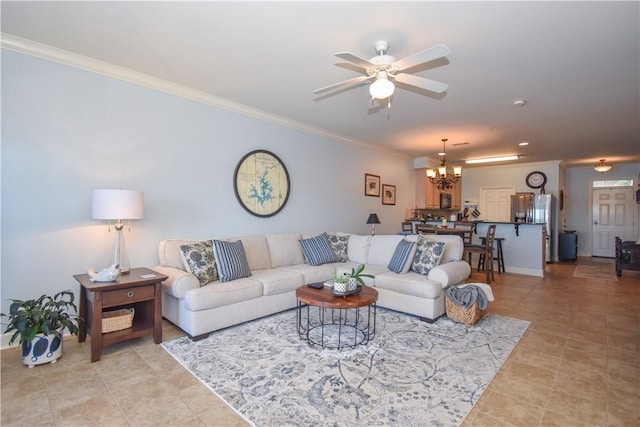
<point>42,349</point>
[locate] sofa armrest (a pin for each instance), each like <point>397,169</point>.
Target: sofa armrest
<point>178,282</point>
<point>451,273</point>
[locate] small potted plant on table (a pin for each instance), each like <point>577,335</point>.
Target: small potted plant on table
<point>348,282</point>
<point>39,325</point>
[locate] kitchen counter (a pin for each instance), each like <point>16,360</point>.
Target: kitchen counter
<point>523,245</point>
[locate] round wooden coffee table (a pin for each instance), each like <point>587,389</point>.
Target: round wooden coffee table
<point>336,322</point>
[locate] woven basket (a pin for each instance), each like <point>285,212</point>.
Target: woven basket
<point>117,320</point>
<point>460,313</point>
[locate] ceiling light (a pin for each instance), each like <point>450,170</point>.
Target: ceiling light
<point>440,177</point>
<point>382,88</point>
<point>519,103</point>
<point>522,144</point>
<point>492,159</point>
<point>603,167</point>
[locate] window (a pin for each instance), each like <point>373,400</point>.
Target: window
<point>613,183</point>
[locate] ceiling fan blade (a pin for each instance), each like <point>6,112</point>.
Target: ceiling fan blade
<point>430,85</point>
<point>351,82</point>
<point>435,52</point>
<point>363,63</point>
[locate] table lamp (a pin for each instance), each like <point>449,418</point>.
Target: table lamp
<point>373,220</point>
<point>116,205</point>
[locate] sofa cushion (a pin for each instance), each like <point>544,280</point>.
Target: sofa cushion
<point>402,257</point>
<point>170,255</point>
<point>454,251</point>
<point>276,280</point>
<point>428,255</point>
<point>285,249</point>
<point>231,260</point>
<point>317,251</point>
<point>199,260</point>
<point>412,284</point>
<point>313,274</point>
<point>382,247</point>
<point>218,294</point>
<point>358,248</point>
<point>339,246</point>
<point>257,251</point>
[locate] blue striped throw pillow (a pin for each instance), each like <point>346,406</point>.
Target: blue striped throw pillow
<point>231,260</point>
<point>401,256</point>
<point>317,250</point>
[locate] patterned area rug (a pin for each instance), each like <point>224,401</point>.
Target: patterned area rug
<point>596,268</point>
<point>411,374</point>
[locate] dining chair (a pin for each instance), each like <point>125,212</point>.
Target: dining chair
<point>485,250</point>
<point>467,234</point>
<point>426,229</point>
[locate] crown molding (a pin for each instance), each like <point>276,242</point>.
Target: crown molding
<point>65,57</point>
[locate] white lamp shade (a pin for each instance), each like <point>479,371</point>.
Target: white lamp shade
<point>431,173</point>
<point>381,88</point>
<point>457,170</point>
<point>117,204</point>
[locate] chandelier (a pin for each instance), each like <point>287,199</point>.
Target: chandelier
<point>601,166</point>
<point>440,177</point>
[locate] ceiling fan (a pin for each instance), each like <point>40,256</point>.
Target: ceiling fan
<point>385,68</point>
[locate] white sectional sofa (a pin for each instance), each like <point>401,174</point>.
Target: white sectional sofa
<point>277,267</point>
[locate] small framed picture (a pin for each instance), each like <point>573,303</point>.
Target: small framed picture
<point>371,185</point>
<point>388,194</point>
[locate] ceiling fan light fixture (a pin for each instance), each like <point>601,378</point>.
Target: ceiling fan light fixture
<point>382,88</point>
<point>602,167</point>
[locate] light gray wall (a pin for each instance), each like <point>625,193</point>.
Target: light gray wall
<point>475,178</point>
<point>578,199</point>
<point>66,131</point>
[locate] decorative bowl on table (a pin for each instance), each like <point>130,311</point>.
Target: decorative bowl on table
<point>349,287</point>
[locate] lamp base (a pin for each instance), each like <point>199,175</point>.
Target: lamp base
<point>120,254</point>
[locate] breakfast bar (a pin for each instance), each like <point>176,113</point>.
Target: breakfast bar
<point>523,245</point>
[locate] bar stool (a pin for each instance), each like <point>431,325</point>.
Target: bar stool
<point>499,254</point>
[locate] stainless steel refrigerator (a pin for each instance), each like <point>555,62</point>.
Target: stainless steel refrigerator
<point>536,209</point>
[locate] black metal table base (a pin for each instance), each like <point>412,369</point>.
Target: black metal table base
<point>336,328</point>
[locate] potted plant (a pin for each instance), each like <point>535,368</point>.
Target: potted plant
<point>39,324</point>
<point>357,274</point>
<point>348,282</point>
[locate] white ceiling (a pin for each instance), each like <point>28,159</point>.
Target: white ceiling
<point>577,64</point>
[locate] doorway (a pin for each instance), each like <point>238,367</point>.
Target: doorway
<point>495,203</point>
<point>612,215</point>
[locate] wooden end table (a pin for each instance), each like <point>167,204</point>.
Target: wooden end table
<point>336,322</point>
<point>127,291</point>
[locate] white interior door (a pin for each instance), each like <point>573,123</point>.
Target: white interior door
<point>612,216</point>
<point>495,203</point>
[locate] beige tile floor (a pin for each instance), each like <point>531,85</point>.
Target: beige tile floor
<point>577,365</point>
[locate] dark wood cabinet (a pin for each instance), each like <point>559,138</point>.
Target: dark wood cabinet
<point>140,290</point>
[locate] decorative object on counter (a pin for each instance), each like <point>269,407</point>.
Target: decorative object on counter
<point>373,220</point>
<point>116,205</point>
<point>371,185</point>
<point>441,178</point>
<point>39,324</point>
<point>388,194</point>
<point>261,183</point>
<point>108,274</point>
<point>602,167</point>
